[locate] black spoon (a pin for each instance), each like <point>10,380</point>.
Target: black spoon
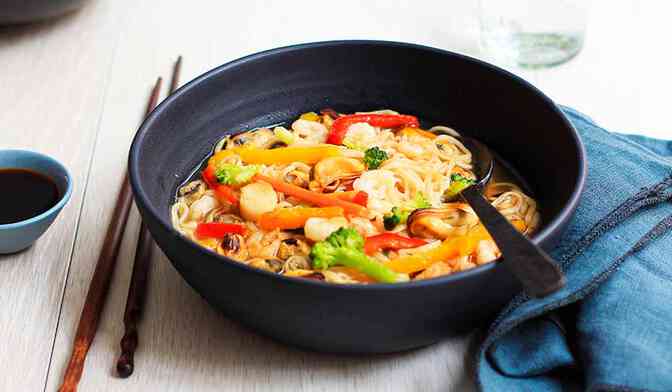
<point>534,268</point>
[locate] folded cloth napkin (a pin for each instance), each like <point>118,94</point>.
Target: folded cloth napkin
<point>610,328</point>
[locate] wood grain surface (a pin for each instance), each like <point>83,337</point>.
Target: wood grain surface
<point>75,88</point>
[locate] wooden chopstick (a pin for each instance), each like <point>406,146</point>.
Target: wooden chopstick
<point>138,287</point>
<point>100,283</point>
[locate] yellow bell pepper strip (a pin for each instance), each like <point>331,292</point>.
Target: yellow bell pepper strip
<point>308,155</point>
<point>340,127</point>
<point>295,217</point>
<point>408,131</point>
<point>450,248</point>
<point>318,199</point>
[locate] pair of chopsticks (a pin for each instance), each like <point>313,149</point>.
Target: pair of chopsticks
<point>102,276</point>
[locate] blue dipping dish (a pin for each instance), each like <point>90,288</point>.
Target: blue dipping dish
<point>15,237</point>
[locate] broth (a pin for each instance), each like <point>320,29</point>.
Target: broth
<point>25,194</point>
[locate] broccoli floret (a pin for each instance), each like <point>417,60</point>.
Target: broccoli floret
<point>235,175</point>
<point>400,215</point>
<point>392,219</point>
<point>345,247</point>
<point>457,184</point>
<point>374,157</point>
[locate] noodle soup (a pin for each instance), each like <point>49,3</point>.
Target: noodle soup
<point>346,198</point>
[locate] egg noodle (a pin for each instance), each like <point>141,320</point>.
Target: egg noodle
<point>419,165</point>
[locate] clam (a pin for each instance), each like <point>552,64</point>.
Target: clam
<point>223,215</point>
<point>259,138</point>
<point>441,223</point>
<point>193,191</point>
<point>306,274</point>
<point>272,265</point>
<point>297,174</point>
<point>233,246</point>
<point>296,263</point>
<point>332,172</point>
<point>295,246</point>
<point>298,178</point>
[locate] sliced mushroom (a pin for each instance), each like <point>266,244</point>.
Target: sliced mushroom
<point>441,223</point>
<point>233,246</point>
<point>193,191</point>
<point>332,172</point>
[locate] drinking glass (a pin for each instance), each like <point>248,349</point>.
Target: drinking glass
<point>532,33</point>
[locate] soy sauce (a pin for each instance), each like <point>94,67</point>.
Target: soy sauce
<point>25,194</point>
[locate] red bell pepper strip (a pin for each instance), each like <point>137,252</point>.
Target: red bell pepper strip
<point>357,197</point>
<point>361,198</point>
<point>218,230</point>
<point>223,192</point>
<point>390,241</point>
<point>340,126</point>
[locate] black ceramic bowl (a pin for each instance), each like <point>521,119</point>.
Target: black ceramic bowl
<point>23,11</point>
<point>511,116</point>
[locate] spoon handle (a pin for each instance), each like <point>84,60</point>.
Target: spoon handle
<point>534,268</point>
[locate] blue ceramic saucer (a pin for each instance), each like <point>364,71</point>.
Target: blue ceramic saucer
<point>20,235</point>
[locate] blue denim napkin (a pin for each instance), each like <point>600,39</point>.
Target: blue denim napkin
<point>610,328</point>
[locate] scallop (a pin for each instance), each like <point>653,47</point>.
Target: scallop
<point>255,199</point>
<point>318,229</point>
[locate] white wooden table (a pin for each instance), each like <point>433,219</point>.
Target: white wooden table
<point>75,89</point>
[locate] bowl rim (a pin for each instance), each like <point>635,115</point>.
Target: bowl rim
<point>143,200</point>
<point>62,201</point>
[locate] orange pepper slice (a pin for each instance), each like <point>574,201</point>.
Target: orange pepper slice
<point>295,217</point>
<point>319,199</point>
<point>450,248</point>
